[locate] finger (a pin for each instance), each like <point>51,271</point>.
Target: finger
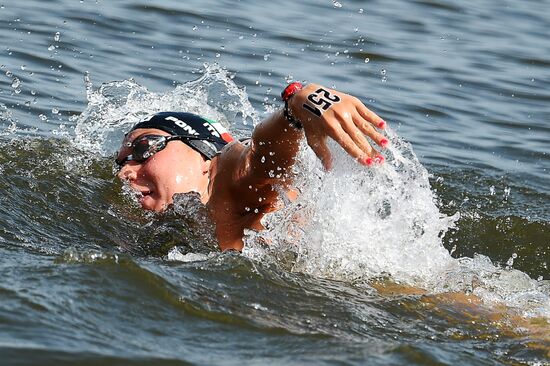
<point>367,129</point>
<point>320,148</point>
<point>357,136</point>
<point>369,115</point>
<point>347,143</point>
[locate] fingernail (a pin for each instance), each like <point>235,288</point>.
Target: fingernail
<point>384,142</point>
<point>368,161</point>
<point>382,124</point>
<point>379,159</point>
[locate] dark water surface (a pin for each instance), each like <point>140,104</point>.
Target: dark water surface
<point>87,278</point>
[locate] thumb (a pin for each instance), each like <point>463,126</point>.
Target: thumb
<point>320,148</point>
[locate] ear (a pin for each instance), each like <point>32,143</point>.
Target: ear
<point>206,166</point>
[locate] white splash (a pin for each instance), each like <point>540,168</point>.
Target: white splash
<point>116,106</point>
<point>356,223</point>
<point>175,255</point>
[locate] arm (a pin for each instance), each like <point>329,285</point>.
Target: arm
<point>254,170</point>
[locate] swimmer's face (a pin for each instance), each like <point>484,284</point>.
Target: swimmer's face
<point>175,169</point>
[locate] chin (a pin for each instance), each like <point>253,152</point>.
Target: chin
<point>150,204</point>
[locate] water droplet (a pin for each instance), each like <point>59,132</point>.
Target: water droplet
<point>194,27</point>
<point>492,190</point>
<point>453,249</point>
<point>383,72</point>
<point>55,111</point>
<point>217,55</point>
<point>51,47</point>
<point>15,83</point>
<point>9,73</point>
<point>33,92</point>
<point>367,60</point>
<point>510,261</point>
<point>88,82</point>
<point>23,67</point>
<point>262,159</point>
<point>42,117</point>
<point>337,4</point>
<point>266,57</point>
<point>361,11</point>
<point>57,36</point>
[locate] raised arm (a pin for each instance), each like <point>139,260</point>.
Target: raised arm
<point>249,174</point>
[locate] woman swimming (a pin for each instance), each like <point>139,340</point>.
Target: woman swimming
<point>237,181</point>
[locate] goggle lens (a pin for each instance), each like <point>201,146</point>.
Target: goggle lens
<point>144,147</point>
<point>147,146</point>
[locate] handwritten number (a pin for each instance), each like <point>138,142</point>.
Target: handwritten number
<point>332,97</point>
<point>319,101</point>
<point>315,111</point>
<point>325,101</point>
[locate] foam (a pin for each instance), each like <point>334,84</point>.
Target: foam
<point>360,224</point>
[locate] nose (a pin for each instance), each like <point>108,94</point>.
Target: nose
<point>128,172</point>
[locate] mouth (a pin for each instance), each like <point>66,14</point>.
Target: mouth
<point>139,194</point>
<point>145,192</point>
<point>142,194</point>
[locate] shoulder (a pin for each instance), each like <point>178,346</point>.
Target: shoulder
<point>232,163</point>
<point>233,176</point>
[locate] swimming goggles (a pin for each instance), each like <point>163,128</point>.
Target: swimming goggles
<point>146,146</point>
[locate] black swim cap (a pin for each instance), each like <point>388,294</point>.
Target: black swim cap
<point>212,135</point>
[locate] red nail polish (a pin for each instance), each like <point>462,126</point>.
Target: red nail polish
<point>384,142</point>
<point>379,159</point>
<point>382,124</point>
<point>368,161</point>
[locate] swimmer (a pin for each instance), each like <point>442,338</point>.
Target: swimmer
<point>238,181</point>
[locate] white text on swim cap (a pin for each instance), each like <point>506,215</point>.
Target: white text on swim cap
<point>211,129</point>
<point>183,125</point>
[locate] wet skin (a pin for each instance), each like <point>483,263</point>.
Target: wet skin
<point>238,186</point>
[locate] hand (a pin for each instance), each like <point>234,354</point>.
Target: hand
<point>324,113</point>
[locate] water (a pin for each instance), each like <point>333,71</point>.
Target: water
<point>462,204</point>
